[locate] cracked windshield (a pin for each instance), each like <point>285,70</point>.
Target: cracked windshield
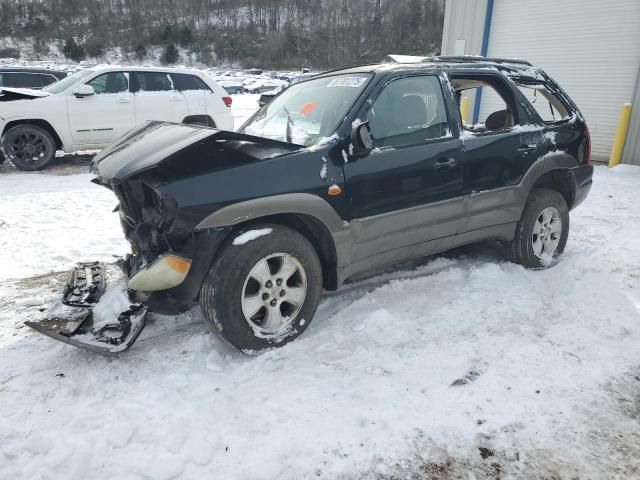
<point>308,112</point>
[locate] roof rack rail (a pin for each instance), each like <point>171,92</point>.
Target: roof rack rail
<point>471,58</point>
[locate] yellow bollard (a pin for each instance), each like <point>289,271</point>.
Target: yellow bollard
<point>464,109</point>
<point>621,135</point>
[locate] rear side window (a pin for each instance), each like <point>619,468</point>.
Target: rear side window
<point>408,111</point>
<point>497,104</point>
<point>113,82</point>
<point>546,104</point>
<point>153,82</point>
<point>184,82</point>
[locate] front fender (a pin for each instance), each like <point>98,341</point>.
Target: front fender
<point>28,111</point>
<point>301,203</point>
<point>290,203</point>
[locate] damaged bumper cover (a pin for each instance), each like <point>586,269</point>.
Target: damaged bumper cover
<point>75,324</point>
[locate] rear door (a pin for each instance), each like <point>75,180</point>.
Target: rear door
<point>499,149</point>
<point>408,190</point>
<point>156,98</point>
<point>193,89</point>
<point>102,118</point>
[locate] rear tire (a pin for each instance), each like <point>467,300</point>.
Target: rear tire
<point>542,232</point>
<point>263,291</point>
<point>28,147</point>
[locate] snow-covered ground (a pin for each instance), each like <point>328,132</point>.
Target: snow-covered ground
<point>243,107</point>
<point>464,366</point>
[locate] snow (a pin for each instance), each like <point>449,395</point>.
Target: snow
<point>53,213</point>
<point>243,106</point>
<point>114,301</point>
<point>324,141</point>
<point>525,128</point>
<point>246,237</point>
<point>428,367</point>
<point>551,136</point>
<point>323,169</point>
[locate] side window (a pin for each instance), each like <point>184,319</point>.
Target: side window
<point>113,82</point>
<point>496,107</point>
<point>548,106</point>
<point>21,80</point>
<point>184,82</point>
<point>41,80</point>
<point>408,111</point>
<point>153,82</point>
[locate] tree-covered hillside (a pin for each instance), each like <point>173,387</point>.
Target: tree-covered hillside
<point>265,33</point>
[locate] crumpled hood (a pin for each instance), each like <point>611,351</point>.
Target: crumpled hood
<point>180,150</point>
<point>7,93</point>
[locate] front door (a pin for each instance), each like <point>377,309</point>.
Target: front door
<point>407,192</point>
<point>99,119</point>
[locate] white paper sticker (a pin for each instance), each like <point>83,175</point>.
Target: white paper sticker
<point>353,82</point>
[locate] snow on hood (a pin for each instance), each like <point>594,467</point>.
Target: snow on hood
<point>21,93</point>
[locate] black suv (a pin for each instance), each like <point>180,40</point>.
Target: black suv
<point>343,173</point>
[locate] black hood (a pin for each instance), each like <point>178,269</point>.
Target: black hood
<point>181,150</point>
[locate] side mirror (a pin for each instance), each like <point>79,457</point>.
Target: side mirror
<point>84,91</point>
<point>361,139</point>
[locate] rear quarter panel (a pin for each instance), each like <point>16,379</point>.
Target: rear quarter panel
<point>215,107</point>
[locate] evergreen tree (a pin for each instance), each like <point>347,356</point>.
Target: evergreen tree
<point>140,52</point>
<point>170,54</point>
<point>73,50</point>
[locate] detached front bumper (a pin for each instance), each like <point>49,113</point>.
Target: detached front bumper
<point>74,321</point>
<point>170,284</point>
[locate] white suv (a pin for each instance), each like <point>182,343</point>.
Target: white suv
<point>93,107</point>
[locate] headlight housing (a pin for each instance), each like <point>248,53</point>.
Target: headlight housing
<point>166,271</point>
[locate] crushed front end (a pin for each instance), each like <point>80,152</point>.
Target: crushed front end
<point>166,179</point>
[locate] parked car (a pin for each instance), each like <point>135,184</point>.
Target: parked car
<point>262,85</point>
<point>346,172</point>
<point>232,87</point>
<point>93,107</point>
<point>24,77</point>
<point>268,96</point>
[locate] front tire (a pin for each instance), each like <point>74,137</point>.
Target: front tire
<point>542,232</point>
<point>263,289</point>
<point>28,147</point>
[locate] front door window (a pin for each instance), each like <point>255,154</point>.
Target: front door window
<point>409,111</point>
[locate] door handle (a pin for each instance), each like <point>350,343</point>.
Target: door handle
<point>123,100</point>
<point>447,163</point>
<point>526,149</point>
<point>175,98</point>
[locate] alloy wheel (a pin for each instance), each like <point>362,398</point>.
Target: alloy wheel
<point>546,233</point>
<point>28,147</point>
<point>273,293</point>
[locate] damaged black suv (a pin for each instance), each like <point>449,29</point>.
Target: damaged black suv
<point>343,173</point>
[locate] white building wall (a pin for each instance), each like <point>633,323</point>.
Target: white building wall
<point>590,47</point>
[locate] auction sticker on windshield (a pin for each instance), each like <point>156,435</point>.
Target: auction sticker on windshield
<point>353,82</point>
